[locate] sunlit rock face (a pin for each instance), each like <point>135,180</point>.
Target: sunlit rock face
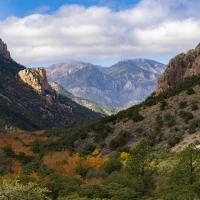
<point>180,67</point>
<point>36,78</point>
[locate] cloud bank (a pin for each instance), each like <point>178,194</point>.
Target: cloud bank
<point>74,32</point>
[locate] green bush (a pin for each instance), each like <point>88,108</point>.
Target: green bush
<point>119,140</point>
<point>82,170</point>
<point>111,165</point>
<point>186,116</point>
<point>137,129</point>
<point>173,139</point>
<point>167,116</point>
<point>194,106</point>
<point>136,117</point>
<point>124,149</point>
<point>163,104</point>
<point>190,91</point>
<point>193,125</point>
<point>88,149</point>
<point>170,119</point>
<point>182,104</point>
<point>159,121</point>
<point>124,120</point>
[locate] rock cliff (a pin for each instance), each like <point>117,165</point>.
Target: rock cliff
<point>180,67</point>
<point>3,49</point>
<point>36,78</point>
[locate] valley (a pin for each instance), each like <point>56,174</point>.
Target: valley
<point>147,151</point>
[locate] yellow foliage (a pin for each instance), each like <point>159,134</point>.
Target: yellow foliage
<point>95,152</point>
<point>125,156</point>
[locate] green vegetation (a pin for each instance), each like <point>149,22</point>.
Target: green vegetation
<point>119,140</point>
<point>190,91</point>
<point>194,106</point>
<point>186,116</point>
<point>182,104</point>
<point>14,190</point>
<point>173,139</point>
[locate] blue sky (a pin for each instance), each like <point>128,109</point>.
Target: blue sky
<point>43,32</point>
<point>22,8</point>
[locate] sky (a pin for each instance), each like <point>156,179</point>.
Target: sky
<point>43,32</point>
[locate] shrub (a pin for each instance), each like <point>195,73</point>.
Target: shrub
<point>88,148</point>
<point>124,149</point>
<point>190,91</point>
<point>173,139</point>
<point>159,121</point>
<point>137,129</point>
<point>186,116</point>
<point>170,119</point>
<point>111,166</point>
<point>182,104</point>
<point>119,140</point>
<point>168,116</point>
<point>82,170</point>
<point>151,137</point>
<point>150,101</point>
<point>193,125</point>
<point>194,106</point>
<point>163,104</point>
<point>136,117</point>
<point>124,120</point>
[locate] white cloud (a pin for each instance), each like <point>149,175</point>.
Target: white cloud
<point>152,27</point>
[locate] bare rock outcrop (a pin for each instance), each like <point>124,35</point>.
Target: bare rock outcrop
<point>4,50</point>
<point>36,78</point>
<point>180,67</point>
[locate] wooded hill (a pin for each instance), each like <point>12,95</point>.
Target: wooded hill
<point>23,108</point>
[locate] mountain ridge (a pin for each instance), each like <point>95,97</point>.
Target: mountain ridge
<point>180,67</point>
<point>116,86</point>
<point>24,108</point>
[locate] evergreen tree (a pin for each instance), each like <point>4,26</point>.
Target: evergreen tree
<point>185,172</point>
<point>141,167</point>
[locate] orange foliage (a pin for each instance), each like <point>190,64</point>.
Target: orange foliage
<point>92,181</point>
<point>66,164</point>
<point>95,162</point>
<point>19,141</point>
<point>35,175</point>
<point>16,167</point>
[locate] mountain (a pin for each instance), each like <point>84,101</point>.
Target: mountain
<point>122,84</point>
<point>168,119</point>
<point>28,102</point>
<point>180,67</point>
<point>104,110</point>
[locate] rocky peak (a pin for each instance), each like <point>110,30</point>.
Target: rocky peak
<point>36,78</point>
<point>180,67</point>
<point>3,49</point>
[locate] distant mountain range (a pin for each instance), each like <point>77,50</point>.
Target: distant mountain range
<point>121,85</point>
<point>99,108</point>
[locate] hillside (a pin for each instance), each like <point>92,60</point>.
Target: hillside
<point>149,151</point>
<point>121,85</point>
<point>103,110</point>
<point>164,120</point>
<point>24,108</point>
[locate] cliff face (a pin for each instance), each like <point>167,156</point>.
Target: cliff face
<point>36,78</point>
<point>4,50</point>
<point>180,67</point>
